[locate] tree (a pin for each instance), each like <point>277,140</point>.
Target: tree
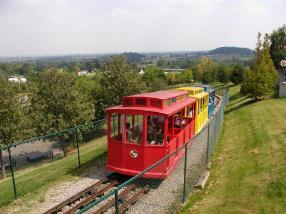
<point>171,78</point>
<point>185,76</point>
<point>206,70</point>
<point>154,78</point>
<point>237,74</point>
<point>118,80</point>
<point>262,79</point>
<point>57,101</point>
<point>278,46</point>
<point>162,62</point>
<point>11,117</point>
<point>223,73</point>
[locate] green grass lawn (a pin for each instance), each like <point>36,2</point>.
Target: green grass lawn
<point>248,171</point>
<point>36,178</point>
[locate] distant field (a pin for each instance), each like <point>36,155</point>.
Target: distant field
<point>35,179</point>
<point>248,172</point>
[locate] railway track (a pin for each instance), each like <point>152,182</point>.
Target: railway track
<point>127,197</point>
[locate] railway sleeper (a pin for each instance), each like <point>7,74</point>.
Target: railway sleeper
<point>133,199</point>
<point>91,198</point>
<point>111,203</point>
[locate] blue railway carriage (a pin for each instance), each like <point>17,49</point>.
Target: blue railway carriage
<point>211,93</point>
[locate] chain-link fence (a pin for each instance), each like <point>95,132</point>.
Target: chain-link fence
<point>165,196</point>
<point>33,163</point>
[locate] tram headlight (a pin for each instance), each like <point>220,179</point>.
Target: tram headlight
<point>133,153</point>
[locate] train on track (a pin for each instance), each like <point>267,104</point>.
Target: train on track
<point>149,126</point>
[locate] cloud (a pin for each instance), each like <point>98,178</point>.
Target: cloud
<point>33,27</point>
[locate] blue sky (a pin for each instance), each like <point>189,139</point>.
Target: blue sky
<point>51,27</point>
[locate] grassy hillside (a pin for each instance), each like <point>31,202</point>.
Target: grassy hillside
<point>248,172</point>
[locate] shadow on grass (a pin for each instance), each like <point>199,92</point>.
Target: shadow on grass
<point>249,102</point>
<point>235,96</point>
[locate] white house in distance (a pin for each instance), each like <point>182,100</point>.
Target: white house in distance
<point>84,72</point>
<point>141,71</point>
<point>18,79</point>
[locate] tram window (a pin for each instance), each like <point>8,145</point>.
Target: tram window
<point>155,103</point>
<point>116,128</point>
<point>127,102</point>
<point>167,102</point>
<point>190,113</point>
<point>200,105</point>
<point>180,121</point>
<point>134,128</point>
<point>155,130</point>
<point>140,102</point>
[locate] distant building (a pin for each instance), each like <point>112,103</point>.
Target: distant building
<point>83,73</point>
<point>18,79</point>
<point>173,70</point>
<point>142,72</point>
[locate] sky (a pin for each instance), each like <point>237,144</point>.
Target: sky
<point>58,27</point>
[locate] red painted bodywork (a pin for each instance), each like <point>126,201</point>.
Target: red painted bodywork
<point>119,158</point>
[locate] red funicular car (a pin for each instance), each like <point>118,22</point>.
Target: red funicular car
<point>146,128</point>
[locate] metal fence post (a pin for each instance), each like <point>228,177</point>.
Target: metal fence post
<point>215,127</point>
<point>185,172</point>
<point>77,145</point>
<point>116,201</point>
<point>208,143</point>
<point>12,173</point>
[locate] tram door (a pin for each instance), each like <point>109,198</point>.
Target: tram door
<point>134,148</point>
<point>155,148</point>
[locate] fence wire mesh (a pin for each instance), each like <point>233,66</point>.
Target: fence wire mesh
<point>44,159</point>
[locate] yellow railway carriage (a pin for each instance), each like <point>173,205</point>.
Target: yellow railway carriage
<point>201,105</point>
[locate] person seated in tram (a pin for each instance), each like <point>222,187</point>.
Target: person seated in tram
<point>150,130</point>
<point>178,122</point>
<point>190,114</point>
<point>128,131</point>
<point>133,134</point>
<point>159,133</point>
<point>155,133</point>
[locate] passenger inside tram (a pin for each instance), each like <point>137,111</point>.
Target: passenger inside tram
<point>155,131</point>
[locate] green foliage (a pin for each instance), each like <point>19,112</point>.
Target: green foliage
<point>171,78</point>
<point>11,115</point>
<point>206,70</point>
<point>262,79</point>
<point>237,74</point>
<point>154,78</point>
<point>277,48</point>
<point>185,76</point>
<point>223,73</point>
<point>57,103</point>
<point>120,79</point>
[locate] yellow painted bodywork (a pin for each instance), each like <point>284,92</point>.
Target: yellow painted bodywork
<point>201,105</point>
